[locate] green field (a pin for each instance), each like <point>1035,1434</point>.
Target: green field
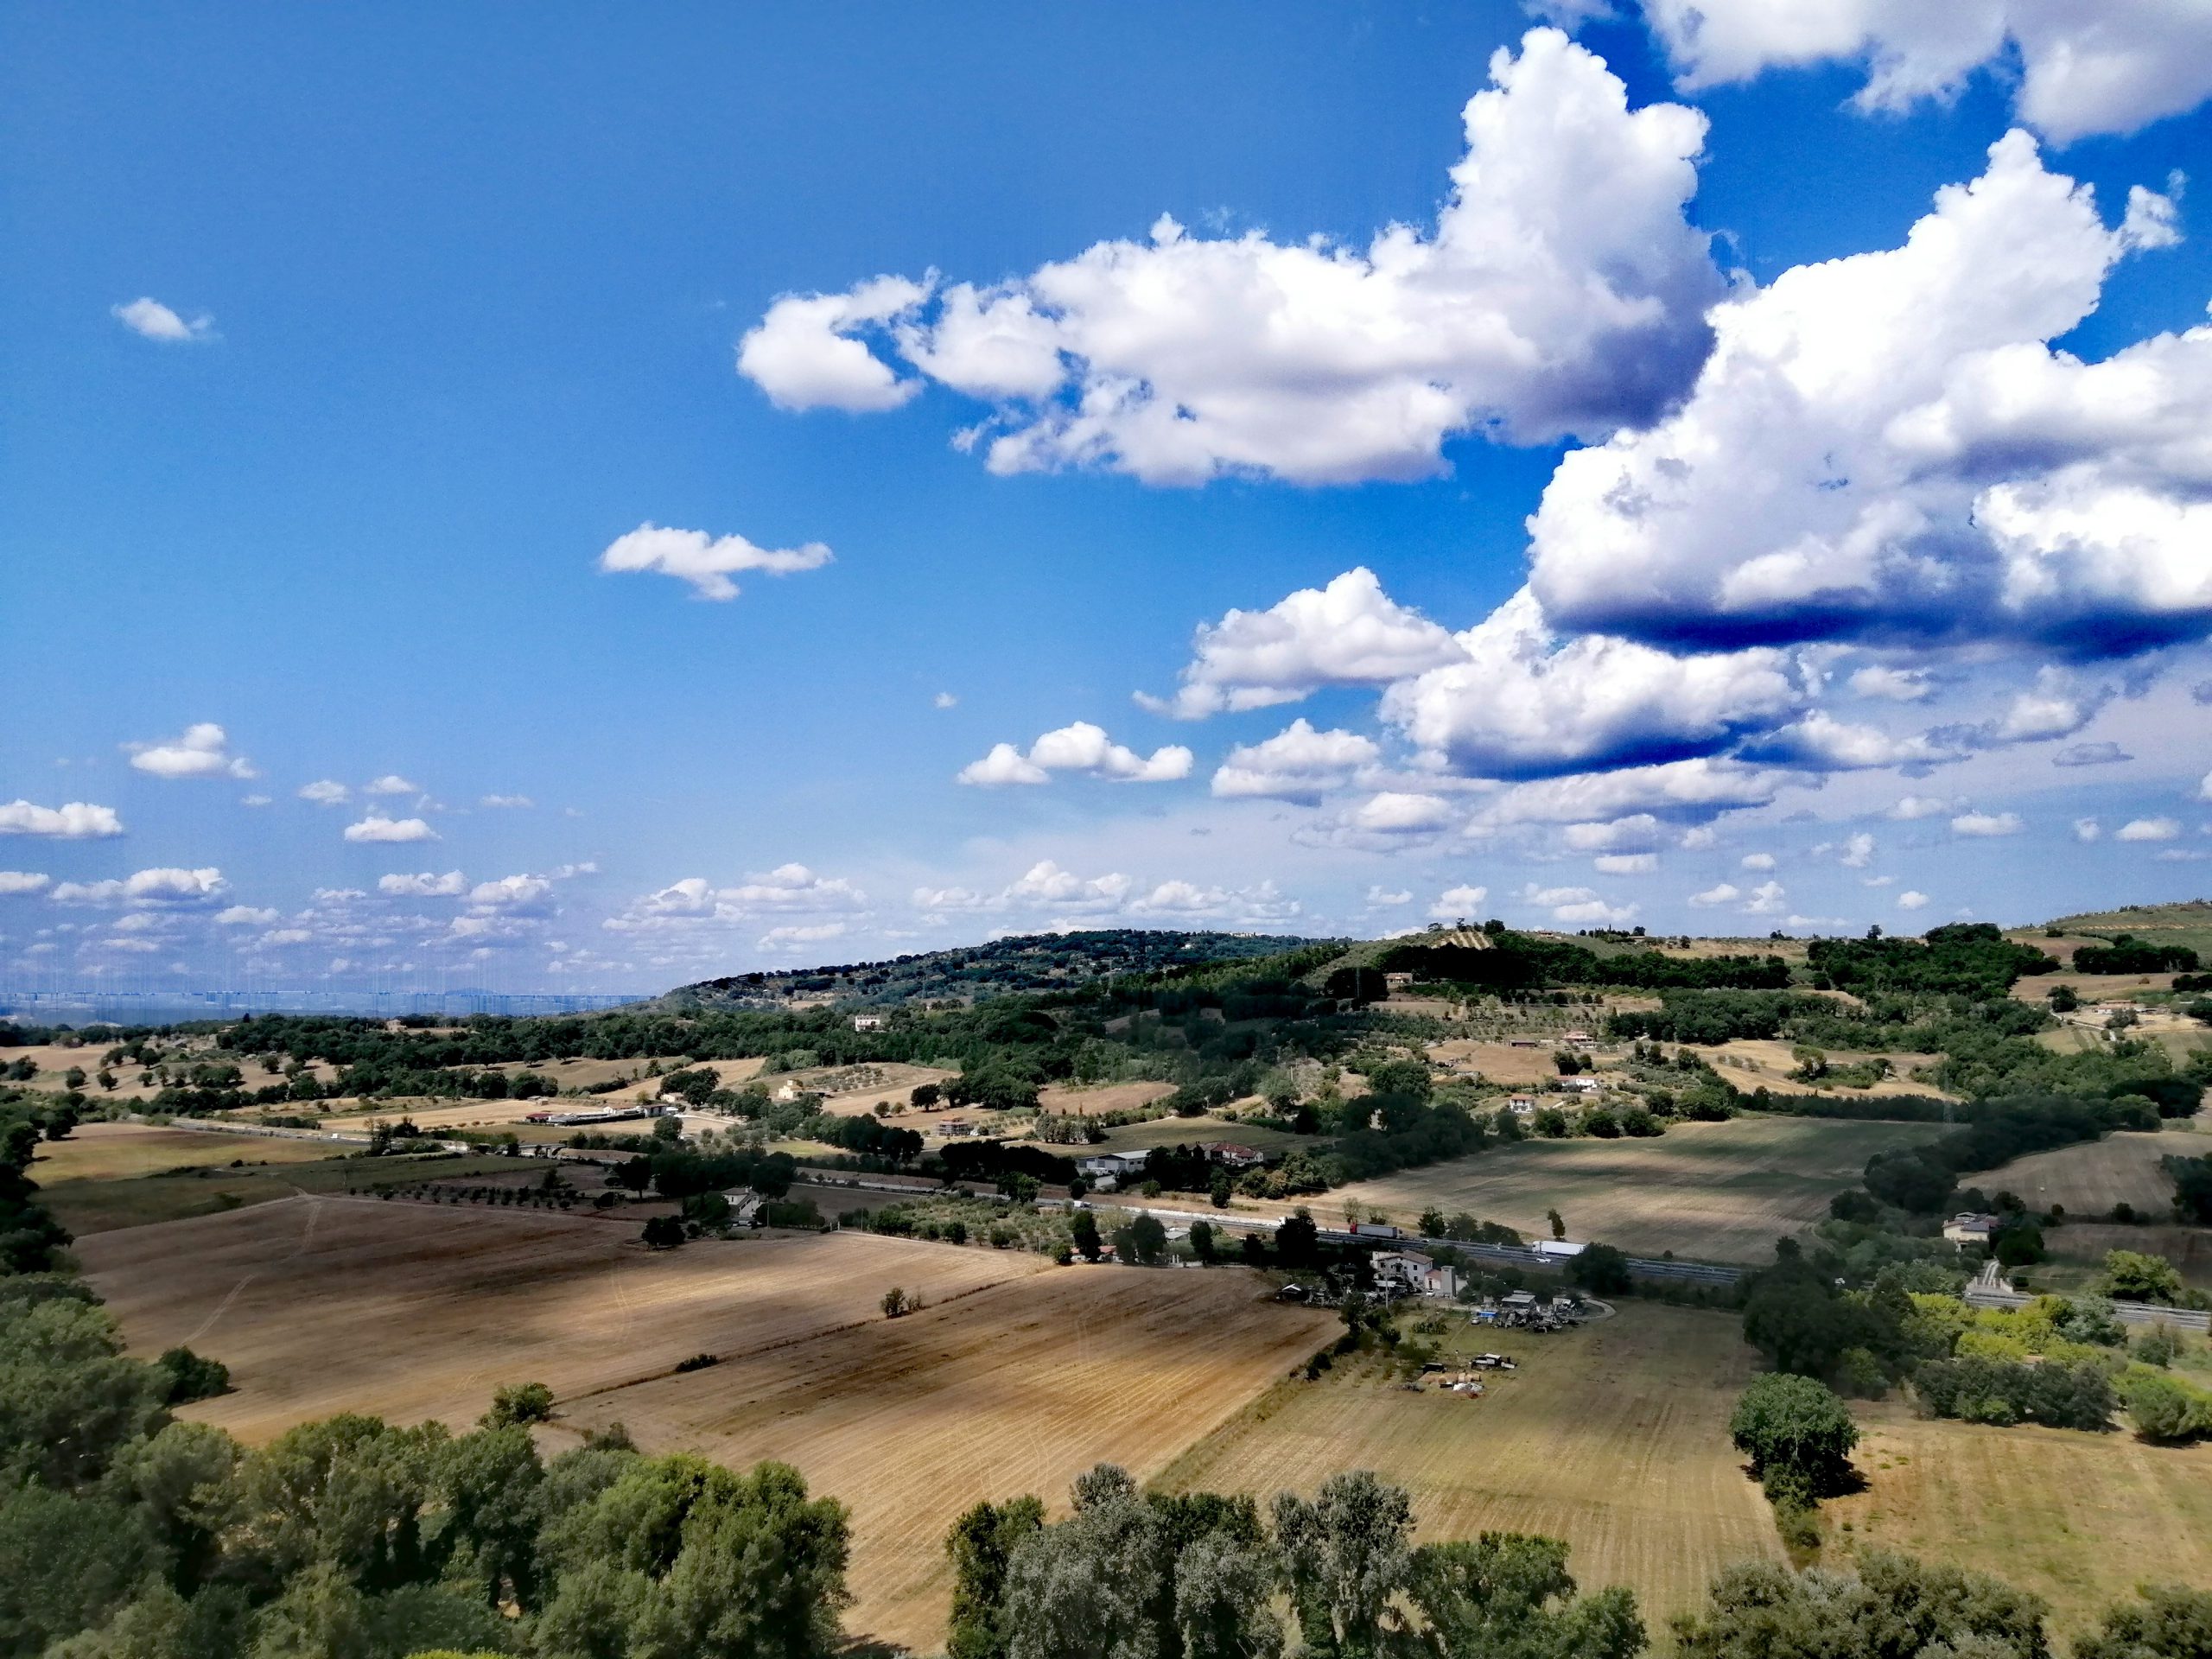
<point>1719,1191</point>
<point>2188,923</point>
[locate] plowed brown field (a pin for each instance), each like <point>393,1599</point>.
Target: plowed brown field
<point>410,1310</point>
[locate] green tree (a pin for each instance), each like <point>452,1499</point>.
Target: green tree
<point>1346,1554</point>
<point>1600,1269</point>
<point>679,1557</point>
<point>2167,1623</point>
<point>1506,1595</point>
<point>1893,1607</point>
<point>1797,1432</point>
<point>1147,1240</point>
<point>662,1233</point>
<point>1202,1242</point>
<point>1225,1589</point>
<point>2131,1276</point>
<point>1084,1230</point>
<point>1558,1223</point>
<point>1090,1587</point>
<point>522,1402</point>
<point>981,1545</point>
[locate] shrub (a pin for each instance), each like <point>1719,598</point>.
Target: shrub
<point>2167,1409</point>
<point>193,1377</point>
<point>1978,1390</point>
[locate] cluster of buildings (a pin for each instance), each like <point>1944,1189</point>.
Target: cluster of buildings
<point>1106,1170</point>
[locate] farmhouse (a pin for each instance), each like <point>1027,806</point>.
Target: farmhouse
<point>1232,1156</point>
<point>1415,1271</point>
<point>1581,1085</point>
<point>1970,1228</point>
<point>868,1022</point>
<point>1520,1105</point>
<point>1111,1165</point>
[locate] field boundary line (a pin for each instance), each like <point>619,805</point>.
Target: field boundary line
<point>779,1345</point>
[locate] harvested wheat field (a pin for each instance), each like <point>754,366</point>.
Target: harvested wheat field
<point>107,1152</point>
<point>409,1311</point>
<point>2078,1518</point>
<point>1613,1437</point>
<point>1751,1062</point>
<point>2089,1179</point>
<point>1499,1062</point>
<point>1722,1191</point>
<point>1084,1099</point>
<point>1017,1388</point>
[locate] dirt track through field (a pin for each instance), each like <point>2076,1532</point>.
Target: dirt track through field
<point>409,1312</point>
<point>1017,1389</point>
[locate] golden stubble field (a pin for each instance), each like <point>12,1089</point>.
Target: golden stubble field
<point>1017,1388</point>
<point>2079,1518</point>
<point>1724,1191</point>
<point>410,1310</point>
<point>1613,1437</point>
<point>108,1152</point>
<point>2089,1179</point>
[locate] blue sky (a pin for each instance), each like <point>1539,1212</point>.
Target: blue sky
<point>1635,536</point>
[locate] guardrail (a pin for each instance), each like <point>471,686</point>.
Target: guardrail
<point>2181,1319</point>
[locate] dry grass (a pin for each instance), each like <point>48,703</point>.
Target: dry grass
<point>116,1151</point>
<point>102,1206</point>
<point>2082,1249</point>
<point>1191,1131</point>
<point>2078,1518</point>
<point>2089,1179</point>
<point>1017,1389</point>
<point>1501,1061</point>
<point>1750,1062</point>
<point>1085,1098</point>
<point>413,1311</point>
<point>1723,1191</point>
<point>1613,1437</point>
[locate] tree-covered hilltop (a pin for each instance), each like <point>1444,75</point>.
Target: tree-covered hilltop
<point>1030,961</point>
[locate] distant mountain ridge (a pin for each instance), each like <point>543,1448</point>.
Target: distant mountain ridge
<point>1032,962</point>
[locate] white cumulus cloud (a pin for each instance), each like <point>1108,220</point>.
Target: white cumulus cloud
<point>376,827</point>
<point>1561,289</point>
<point>149,319</point>
<point>707,562</point>
<point>202,751</point>
<point>2148,829</point>
<point>424,885</point>
<point>2110,66</point>
<point>165,886</point>
<point>23,882</point>
<point>1454,903</point>
<point>76,821</point>
<point>1297,764</point>
<point>1910,899</point>
<point>1522,701</point>
<point>1080,748</point>
<point>1987,823</point>
<point>1883,446</point>
<point>1350,633</point>
<point>326,791</point>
